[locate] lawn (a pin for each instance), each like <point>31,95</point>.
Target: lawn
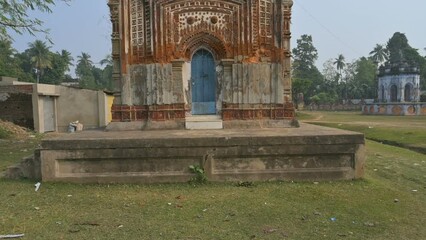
<point>404,131</point>
<point>388,204</point>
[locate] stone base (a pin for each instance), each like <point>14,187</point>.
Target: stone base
<point>258,124</point>
<point>200,122</point>
<point>395,109</point>
<point>305,153</point>
<point>146,125</point>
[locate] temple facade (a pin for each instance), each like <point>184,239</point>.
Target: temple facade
<point>399,83</point>
<point>180,58</point>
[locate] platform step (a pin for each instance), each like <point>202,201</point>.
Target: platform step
<point>203,122</point>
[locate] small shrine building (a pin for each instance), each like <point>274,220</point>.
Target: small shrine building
<point>398,91</point>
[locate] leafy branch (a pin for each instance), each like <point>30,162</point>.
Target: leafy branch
<point>14,15</point>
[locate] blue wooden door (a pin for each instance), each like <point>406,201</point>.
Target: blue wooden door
<point>203,75</point>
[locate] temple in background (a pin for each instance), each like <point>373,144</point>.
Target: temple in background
<point>398,91</point>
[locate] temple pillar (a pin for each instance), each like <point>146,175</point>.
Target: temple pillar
<point>227,80</point>
<point>115,7</point>
<point>178,79</point>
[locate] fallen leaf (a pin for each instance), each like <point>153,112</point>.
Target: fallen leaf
<point>369,224</point>
<point>269,230</point>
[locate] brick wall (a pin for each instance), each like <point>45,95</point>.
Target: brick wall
<point>16,105</point>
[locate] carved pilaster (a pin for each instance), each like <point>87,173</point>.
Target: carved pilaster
<point>286,59</point>
<point>177,74</point>
<point>114,6</point>
<point>227,80</point>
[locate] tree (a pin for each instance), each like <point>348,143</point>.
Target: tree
<point>66,59</point>
<point>379,54</point>
<point>8,64</point>
<point>401,51</point>
<point>14,15</point>
<point>40,57</point>
<point>107,60</point>
<point>107,72</point>
<point>340,64</point>
<point>305,54</point>
<point>397,47</point>
<point>61,63</point>
<point>307,79</point>
<point>84,71</point>
<point>329,72</point>
<point>365,79</point>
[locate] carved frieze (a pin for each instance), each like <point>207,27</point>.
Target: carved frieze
<point>163,30</point>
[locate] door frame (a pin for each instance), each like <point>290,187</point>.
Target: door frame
<point>211,105</point>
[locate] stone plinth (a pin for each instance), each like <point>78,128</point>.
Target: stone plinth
<point>395,109</point>
<point>306,153</point>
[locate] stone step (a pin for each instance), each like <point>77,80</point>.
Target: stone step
<point>201,122</point>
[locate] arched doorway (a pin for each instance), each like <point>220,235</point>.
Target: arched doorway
<point>394,93</point>
<point>203,81</point>
<point>383,93</point>
<point>407,93</point>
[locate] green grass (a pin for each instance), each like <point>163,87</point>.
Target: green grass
<point>13,150</point>
<point>304,116</point>
<point>382,206</point>
<point>404,131</point>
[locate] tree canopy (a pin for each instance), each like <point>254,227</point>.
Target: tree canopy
<point>306,76</point>
<point>400,51</point>
<point>14,15</point>
<point>39,64</point>
<point>379,54</point>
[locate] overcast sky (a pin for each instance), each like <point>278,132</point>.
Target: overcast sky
<point>348,27</point>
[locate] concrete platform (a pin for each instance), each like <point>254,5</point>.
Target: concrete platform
<point>203,122</point>
<point>305,153</point>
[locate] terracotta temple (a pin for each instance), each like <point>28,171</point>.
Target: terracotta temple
<point>202,64</point>
<point>180,58</point>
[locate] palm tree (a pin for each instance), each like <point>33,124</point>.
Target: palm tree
<point>84,71</point>
<point>107,60</point>
<point>67,59</point>
<point>84,60</point>
<point>379,54</point>
<point>340,64</point>
<point>40,57</point>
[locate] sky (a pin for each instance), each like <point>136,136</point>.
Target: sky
<point>348,27</point>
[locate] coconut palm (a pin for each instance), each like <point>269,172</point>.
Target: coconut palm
<point>84,60</point>
<point>107,60</point>
<point>379,54</point>
<point>84,71</point>
<point>67,59</point>
<point>340,64</point>
<point>40,56</point>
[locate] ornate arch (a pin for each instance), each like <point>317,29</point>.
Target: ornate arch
<point>408,91</point>
<point>393,93</point>
<point>208,40</point>
<point>382,93</point>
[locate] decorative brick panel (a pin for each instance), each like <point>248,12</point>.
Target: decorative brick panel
<point>257,111</point>
<point>123,113</point>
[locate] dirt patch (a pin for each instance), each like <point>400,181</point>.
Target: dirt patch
<point>11,130</point>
